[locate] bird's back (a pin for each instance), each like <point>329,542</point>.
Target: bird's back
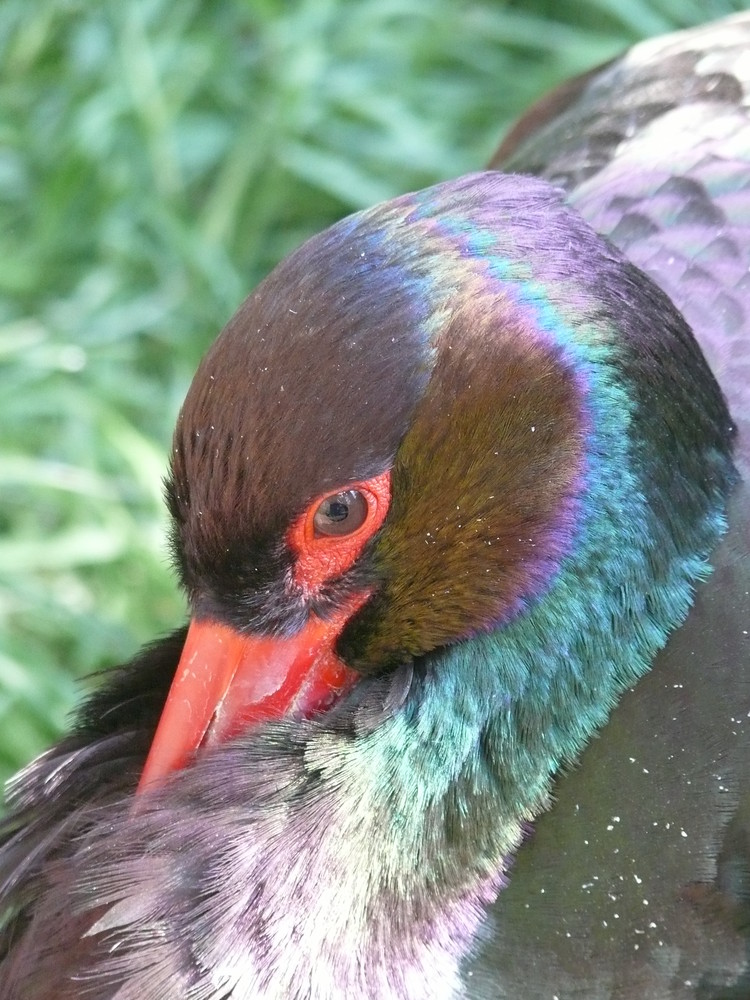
<point>637,882</point>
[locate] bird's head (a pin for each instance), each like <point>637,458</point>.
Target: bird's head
<point>454,456</point>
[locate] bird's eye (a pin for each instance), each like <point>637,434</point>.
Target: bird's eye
<point>329,537</point>
<point>340,513</point>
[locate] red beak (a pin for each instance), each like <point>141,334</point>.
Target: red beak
<point>226,681</point>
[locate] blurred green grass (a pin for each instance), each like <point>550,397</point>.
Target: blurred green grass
<point>156,160</point>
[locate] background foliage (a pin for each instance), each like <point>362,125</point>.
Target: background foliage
<point>156,160</point>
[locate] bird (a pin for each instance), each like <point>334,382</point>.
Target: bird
<point>460,506</point>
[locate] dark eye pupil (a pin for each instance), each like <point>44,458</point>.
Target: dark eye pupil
<point>340,514</point>
<point>335,510</point>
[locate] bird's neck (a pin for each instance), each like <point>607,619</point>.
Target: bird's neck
<point>447,784</point>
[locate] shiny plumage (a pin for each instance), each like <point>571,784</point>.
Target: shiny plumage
<point>567,530</point>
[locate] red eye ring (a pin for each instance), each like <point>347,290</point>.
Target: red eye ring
<point>323,557</point>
